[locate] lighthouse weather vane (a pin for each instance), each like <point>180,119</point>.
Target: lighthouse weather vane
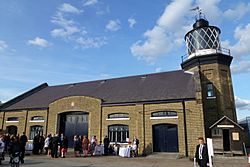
<point>199,13</point>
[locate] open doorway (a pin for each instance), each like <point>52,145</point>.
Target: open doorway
<point>226,140</point>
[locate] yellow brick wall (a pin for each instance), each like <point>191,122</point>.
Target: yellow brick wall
<point>76,103</point>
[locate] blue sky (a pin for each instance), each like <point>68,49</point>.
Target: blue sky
<point>70,41</point>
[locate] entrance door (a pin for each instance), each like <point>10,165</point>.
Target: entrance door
<point>12,130</point>
<point>73,123</point>
<point>165,138</point>
<point>226,140</point>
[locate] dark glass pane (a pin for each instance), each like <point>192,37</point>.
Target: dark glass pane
<point>12,119</point>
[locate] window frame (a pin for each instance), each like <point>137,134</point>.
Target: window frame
<point>12,119</point>
<point>32,135</point>
<point>210,90</point>
<point>115,116</point>
<point>37,120</point>
<point>122,132</point>
<point>164,114</point>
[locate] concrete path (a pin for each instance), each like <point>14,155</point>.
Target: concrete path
<point>115,161</point>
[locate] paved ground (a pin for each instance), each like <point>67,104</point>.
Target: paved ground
<point>115,161</point>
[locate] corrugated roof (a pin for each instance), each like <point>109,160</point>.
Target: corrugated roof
<point>171,85</point>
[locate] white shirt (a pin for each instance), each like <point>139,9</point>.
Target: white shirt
<point>200,151</point>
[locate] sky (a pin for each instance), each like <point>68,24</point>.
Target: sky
<point>68,41</point>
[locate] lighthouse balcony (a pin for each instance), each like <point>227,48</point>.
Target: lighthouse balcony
<point>205,52</point>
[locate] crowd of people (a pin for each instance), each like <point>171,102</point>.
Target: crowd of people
<point>54,145</point>
<point>10,144</point>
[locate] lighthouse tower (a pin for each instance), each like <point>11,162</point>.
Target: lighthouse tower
<point>210,64</point>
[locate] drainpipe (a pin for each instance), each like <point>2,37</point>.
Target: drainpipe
<point>101,124</point>
<point>3,120</point>
<point>26,120</point>
<point>47,122</point>
<point>185,127</point>
<point>144,131</point>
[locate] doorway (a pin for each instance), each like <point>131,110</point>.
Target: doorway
<point>165,138</point>
<point>226,140</point>
<point>73,123</point>
<point>12,130</point>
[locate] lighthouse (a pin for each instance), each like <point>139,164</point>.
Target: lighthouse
<point>210,64</point>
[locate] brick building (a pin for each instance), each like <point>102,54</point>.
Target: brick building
<point>166,111</point>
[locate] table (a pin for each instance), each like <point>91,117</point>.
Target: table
<point>124,151</point>
<point>99,150</point>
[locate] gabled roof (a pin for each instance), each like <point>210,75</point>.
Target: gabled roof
<point>230,120</point>
<point>162,86</point>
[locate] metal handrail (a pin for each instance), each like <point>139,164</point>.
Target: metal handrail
<point>224,51</point>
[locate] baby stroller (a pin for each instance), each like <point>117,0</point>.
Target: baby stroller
<point>15,159</point>
<point>1,154</point>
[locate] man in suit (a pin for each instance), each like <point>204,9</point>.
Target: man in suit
<point>201,153</point>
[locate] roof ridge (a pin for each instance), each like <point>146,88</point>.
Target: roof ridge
<point>108,79</point>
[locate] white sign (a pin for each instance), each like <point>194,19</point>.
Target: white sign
<point>210,151</point>
<point>225,126</point>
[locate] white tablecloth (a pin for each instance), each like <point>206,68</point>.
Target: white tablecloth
<point>124,152</point>
<point>99,150</point>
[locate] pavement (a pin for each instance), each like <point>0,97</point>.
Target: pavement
<point>116,161</point>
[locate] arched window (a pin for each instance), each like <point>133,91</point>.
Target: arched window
<point>35,130</point>
<point>14,119</point>
<point>118,116</point>
<point>37,119</point>
<point>118,133</point>
<point>167,114</point>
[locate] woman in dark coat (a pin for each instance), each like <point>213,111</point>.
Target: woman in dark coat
<point>64,146</point>
<point>77,145</point>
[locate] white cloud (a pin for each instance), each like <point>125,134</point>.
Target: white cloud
<point>39,42</point>
<point>68,8</point>
<point>164,36</point>
<point>242,35</point>
<point>158,69</point>
<point>242,104</point>
<point>3,45</point>
<point>91,42</point>
<point>90,2</point>
<point>131,22</point>
<point>241,67</point>
<point>238,12</point>
<point>72,31</point>
<point>113,25</point>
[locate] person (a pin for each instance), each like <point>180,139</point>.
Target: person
<point>106,145</point>
<point>85,145</point>
<point>55,142</point>
<point>135,146</point>
<point>77,145</point>
<point>14,146</point>
<point>41,144</point>
<point>64,146</point>
<point>201,154</point>
<point>93,143</point>
<point>61,139</point>
<point>23,140</point>
<point>46,145</point>
<point>2,147</point>
<point>36,144</point>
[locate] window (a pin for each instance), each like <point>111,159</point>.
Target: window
<point>37,118</point>
<point>217,132</point>
<point>118,133</point>
<point>164,114</point>
<point>118,115</point>
<point>210,90</point>
<point>12,119</point>
<point>34,130</point>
